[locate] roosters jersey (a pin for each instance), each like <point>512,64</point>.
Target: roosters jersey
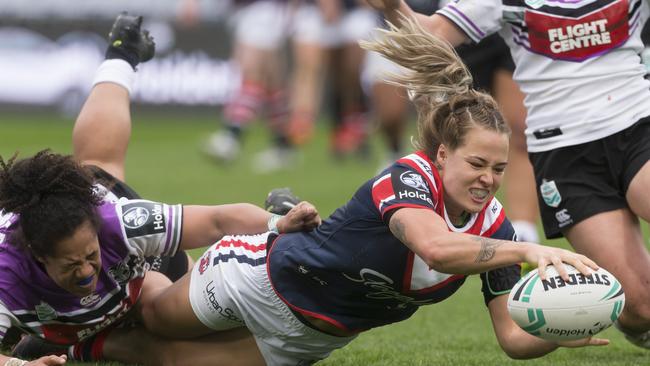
<point>577,61</point>
<point>352,272</point>
<point>130,230</point>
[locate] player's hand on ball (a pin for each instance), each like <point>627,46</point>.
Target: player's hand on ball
<point>543,256</point>
<point>584,342</point>
<point>302,217</point>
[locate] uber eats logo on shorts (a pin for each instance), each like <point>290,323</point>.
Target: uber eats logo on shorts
<point>143,218</point>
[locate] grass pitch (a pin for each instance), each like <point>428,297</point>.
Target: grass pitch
<point>164,164</point>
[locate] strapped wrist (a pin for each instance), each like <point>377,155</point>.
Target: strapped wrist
<point>272,223</point>
<point>15,362</point>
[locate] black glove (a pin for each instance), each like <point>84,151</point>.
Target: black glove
<point>280,201</point>
<point>128,42</point>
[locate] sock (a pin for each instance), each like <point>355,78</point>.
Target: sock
<point>89,350</point>
<point>245,104</point>
<point>115,71</point>
<point>526,231</point>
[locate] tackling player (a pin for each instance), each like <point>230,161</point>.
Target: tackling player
<point>73,252</point>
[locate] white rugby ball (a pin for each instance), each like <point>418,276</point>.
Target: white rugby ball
<point>558,310</point>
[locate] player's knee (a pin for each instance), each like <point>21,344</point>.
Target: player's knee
<point>637,311</point>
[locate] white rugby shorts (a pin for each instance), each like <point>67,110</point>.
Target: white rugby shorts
<point>230,288</point>
<point>262,24</point>
<point>309,26</point>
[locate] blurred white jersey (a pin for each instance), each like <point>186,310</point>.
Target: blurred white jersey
<point>577,62</point>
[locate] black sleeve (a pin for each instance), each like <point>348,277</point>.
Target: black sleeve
<point>501,280</point>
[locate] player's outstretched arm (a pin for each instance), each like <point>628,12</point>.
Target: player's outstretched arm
<point>518,344</point>
<point>397,12</point>
<point>204,225</point>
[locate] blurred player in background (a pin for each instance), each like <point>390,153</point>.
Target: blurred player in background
<point>491,66</point>
<point>260,29</point>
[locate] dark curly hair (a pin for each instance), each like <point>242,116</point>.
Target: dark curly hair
<point>53,195</point>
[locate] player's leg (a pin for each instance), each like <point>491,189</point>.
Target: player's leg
<point>311,35</point>
<point>614,240</point>
<point>137,346</point>
<point>102,130</point>
<point>519,184</point>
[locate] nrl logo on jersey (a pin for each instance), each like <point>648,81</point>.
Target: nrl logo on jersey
<point>550,193</point>
<point>45,312</point>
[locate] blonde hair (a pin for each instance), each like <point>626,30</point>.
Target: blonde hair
<point>439,85</point>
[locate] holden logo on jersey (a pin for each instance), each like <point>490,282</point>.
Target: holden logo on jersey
<point>135,217</point>
<point>45,312</point>
<point>143,218</point>
<point>414,180</point>
<point>550,193</point>
<point>89,300</point>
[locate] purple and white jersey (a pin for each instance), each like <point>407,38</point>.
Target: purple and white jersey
<point>355,274</point>
<point>130,230</point>
<point>577,61</point>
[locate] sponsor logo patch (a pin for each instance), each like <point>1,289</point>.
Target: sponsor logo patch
<point>414,180</point>
<point>143,218</point>
<point>578,37</point>
<point>563,217</point>
<point>550,193</point>
<point>89,300</point>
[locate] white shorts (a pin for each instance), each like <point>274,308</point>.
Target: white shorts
<point>310,27</point>
<point>230,287</point>
<point>262,24</point>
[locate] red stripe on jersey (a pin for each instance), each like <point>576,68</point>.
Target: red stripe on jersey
<point>496,225</point>
<point>382,190</point>
<point>576,39</point>
<point>408,271</point>
<point>235,243</point>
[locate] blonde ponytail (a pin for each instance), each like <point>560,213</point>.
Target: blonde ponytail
<point>439,84</point>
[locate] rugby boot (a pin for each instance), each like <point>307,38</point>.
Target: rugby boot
<point>127,41</point>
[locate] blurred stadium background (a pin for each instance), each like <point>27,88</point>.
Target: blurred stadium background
<point>49,50</point>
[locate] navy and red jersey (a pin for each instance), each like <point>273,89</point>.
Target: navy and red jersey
<point>352,272</point>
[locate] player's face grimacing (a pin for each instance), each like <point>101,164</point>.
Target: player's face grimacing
<point>76,262</point>
<point>472,173</point>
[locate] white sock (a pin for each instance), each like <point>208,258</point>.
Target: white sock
<point>115,71</point>
<point>526,231</point>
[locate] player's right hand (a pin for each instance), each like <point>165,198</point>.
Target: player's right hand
<point>384,5</point>
<point>303,217</point>
<point>544,256</point>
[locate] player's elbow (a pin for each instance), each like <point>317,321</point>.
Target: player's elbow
<point>436,256</point>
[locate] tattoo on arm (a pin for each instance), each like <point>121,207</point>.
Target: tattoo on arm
<point>398,229</point>
<point>488,249</point>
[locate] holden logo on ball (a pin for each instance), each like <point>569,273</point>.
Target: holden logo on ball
<point>135,217</point>
<point>414,180</point>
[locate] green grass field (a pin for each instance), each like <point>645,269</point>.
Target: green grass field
<point>164,164</point>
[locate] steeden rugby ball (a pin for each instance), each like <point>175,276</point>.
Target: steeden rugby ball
<point>558,310</point>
